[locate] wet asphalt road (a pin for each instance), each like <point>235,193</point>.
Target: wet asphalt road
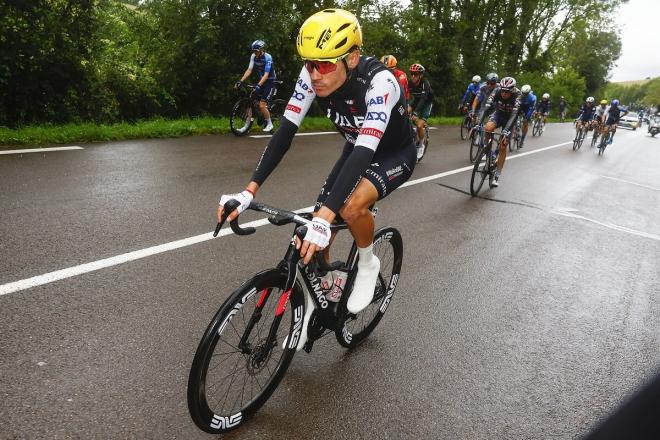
<point>528,314</point>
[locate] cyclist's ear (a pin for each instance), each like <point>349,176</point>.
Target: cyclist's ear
<point>353,59</point>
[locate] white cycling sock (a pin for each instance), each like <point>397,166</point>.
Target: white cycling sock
<point>366,254</point>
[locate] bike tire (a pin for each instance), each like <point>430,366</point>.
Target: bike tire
<point>594,139</point>
<point>535,129</point>
<point>475,144</point>
<point>583,134</point>
<point>388,247</point>
<point>224,332</point>
<point>479,172</point>
<point>465,128</point>
<point>241,117</point>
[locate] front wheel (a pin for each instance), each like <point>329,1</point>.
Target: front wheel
<point>277,110</point>
<point>475,144</point>
<point>388,247</point>
<point>237,366</point>
<point>465,127</point>
<point>480,171</point>
<point>241,117</point>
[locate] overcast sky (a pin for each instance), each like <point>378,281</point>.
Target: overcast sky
<point>640,55</point>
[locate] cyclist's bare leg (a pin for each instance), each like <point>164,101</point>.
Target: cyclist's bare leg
<point>263,107</point>
<point>421,123</point>
<point>357,214</point>
<point>489,128</point>
<point>502,156</point>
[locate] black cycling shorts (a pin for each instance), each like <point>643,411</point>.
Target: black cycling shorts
<point>386,173</point>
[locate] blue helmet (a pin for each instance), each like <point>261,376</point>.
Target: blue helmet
<point>258,45</point>
<point>615,102</point>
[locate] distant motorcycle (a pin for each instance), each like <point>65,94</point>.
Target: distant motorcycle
<point>653,127</point>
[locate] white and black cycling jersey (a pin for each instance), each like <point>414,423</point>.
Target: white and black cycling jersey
<point>369,110</point>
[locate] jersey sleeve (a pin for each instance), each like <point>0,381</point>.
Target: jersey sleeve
<point>301,99</point>
<point>381,98</point>
<point>251,65</point>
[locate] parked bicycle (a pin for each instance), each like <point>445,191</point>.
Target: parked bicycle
<point>539,125</point>
<point>253,337</point>
<point>486,164</point>
<point>247,107</point>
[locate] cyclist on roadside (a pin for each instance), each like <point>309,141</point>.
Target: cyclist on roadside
<point>506,101</point>
<point>586,115</point>
<point>527,104</point>
<point>400,75</point>
<point>470,94</point>
<point>365,102</point>
<point>562,108</point>
<point>421,103</point>
<point>612,116</point>
<point>265,66</point>
<point>543,106</point>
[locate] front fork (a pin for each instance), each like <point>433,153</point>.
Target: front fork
<point>290,265</point>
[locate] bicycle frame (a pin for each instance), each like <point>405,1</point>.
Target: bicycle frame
<point>332,315</point>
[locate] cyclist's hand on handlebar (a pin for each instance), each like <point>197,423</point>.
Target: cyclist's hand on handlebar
<point>257,89</point>
<point>506,133</point>
<point>244,198</point>
<point>238,84</point>
<point>316,238</point>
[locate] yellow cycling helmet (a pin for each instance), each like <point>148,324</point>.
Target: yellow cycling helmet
<point>329,35</point>
<point>604,101</point>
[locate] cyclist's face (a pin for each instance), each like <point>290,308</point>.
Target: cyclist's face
<point>415,77</point>
<point>506,94</point>
<point>326,83</point>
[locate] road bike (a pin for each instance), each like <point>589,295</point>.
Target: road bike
<point>604,139</point>
<point>476,141</point>
<point>467,124</point>
<point>539,124</point>
<point>486,164</point>
<point>580,134</point>
<point>516,137</point>
<point>247,107</point>
<point>251,340</point>
<point>423,145</point>
<point>597,131</point>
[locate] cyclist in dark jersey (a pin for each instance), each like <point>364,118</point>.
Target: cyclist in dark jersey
<point>421,103</point>
<point>365,102</point>
<point>527,104</point>
<point>506,101</point>
<point>263,63</point>
<point>612,116</point>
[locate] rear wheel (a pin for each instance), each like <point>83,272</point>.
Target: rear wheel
<point>388,247</point>
<point>235,370</point>
<point>241,117</point>
<point>465,127</point>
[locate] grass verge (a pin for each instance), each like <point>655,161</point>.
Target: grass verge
<point>156,128</point>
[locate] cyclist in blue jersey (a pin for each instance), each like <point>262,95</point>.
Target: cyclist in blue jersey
<point>527,105</point>
<point>543,106</point>
<point>470,93</point>
<point>612,116</point>
<point>484,92</point>
<point>263,62</point>
<point>586,114</point>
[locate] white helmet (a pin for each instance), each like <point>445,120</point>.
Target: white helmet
<point>526,89</point>
<point>546,96</point>
<point>476,78</point>
<point>590,100</point>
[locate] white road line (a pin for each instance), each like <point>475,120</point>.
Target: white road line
<point>39,280</point>
<point>631,183</point>
<point>608,225</point>
<point>316,133</point>
<point>41,150</point>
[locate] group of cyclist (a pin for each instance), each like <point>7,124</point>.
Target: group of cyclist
<point>372,104</point>
<point>602,118</point>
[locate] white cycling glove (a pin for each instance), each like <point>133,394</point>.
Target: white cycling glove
<point>244,198</point>
<point>318,232</point>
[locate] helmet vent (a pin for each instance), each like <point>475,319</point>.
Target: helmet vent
<point>341,43</point>
<point>343,26</point>
<point>325,36</point>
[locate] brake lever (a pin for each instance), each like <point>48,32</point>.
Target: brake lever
<point>230,207</point>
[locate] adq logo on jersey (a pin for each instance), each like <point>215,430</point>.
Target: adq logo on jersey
<point>379,100</point>
<point>377,116</point>
<point>298,96</point>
